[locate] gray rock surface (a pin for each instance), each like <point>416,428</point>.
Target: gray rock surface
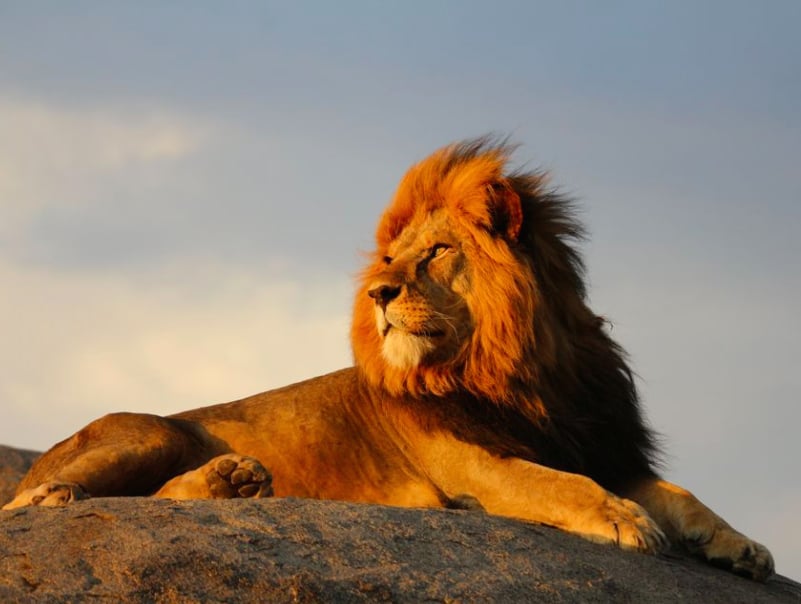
<point>294,550</point>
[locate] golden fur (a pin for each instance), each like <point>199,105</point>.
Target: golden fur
<point>481,380</point>
<point>501,301</point>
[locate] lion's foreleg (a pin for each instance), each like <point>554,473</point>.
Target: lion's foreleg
<point>522,489</point>
<point>691,524</point>
<point>577,504</point>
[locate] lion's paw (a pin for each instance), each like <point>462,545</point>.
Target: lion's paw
<point>626,524</point>
<point>726,548</point>
<point>229,476</point>
<point>48,494</point>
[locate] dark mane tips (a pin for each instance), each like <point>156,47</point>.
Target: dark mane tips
<point>494,145</point>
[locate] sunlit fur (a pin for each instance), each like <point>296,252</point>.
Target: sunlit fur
<point>405,352</point>
<point>536,349</point>
<point>461,179</point>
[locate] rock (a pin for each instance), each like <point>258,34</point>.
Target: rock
<point>13,465</point>
<point>295,550</point>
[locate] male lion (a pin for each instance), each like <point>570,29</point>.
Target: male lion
<point>481,379</point>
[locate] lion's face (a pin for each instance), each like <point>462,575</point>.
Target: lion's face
<point>447,302</point>
<point>421,312</point>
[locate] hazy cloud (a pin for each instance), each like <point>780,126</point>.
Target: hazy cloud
<point>80,345</point>
<point>56,156</point>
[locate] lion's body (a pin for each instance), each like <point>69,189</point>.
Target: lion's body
<point>480,376</point>
<point>325,438</point>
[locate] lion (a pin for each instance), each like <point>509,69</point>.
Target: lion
<point>481,380</point>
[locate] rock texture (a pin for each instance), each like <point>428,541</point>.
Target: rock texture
<point>13,465</point>
<point>293,550</point>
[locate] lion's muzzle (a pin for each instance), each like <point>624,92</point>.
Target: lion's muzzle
<point>384,293</point>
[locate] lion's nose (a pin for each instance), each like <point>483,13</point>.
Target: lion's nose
<point>384,294</point>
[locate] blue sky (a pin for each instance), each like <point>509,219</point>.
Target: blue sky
<point>185,188</point>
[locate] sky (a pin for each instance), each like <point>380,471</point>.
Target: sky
<point>186,189</point>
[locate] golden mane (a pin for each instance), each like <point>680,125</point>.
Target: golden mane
<point>506,216</point>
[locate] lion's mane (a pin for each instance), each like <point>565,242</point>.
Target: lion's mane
<point>540,371</point>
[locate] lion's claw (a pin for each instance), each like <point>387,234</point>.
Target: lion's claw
<point>730,550</point>
<point>625,524</point>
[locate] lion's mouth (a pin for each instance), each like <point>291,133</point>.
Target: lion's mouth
<point>434,333</point>
<point>427,333</point>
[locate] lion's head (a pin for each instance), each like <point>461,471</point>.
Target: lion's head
<point>458,296</point>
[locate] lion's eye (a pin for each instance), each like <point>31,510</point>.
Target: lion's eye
<point>387,259</point>
<point>439,249</point>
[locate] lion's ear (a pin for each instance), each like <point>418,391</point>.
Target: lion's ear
<point>506,212</point>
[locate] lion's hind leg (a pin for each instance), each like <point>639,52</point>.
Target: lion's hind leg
<point>119,454</point>
<point>224,477</point>
<point>692,525</point>
<point>48,494</point>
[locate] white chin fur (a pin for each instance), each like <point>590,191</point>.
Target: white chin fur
<point>405,351</point>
